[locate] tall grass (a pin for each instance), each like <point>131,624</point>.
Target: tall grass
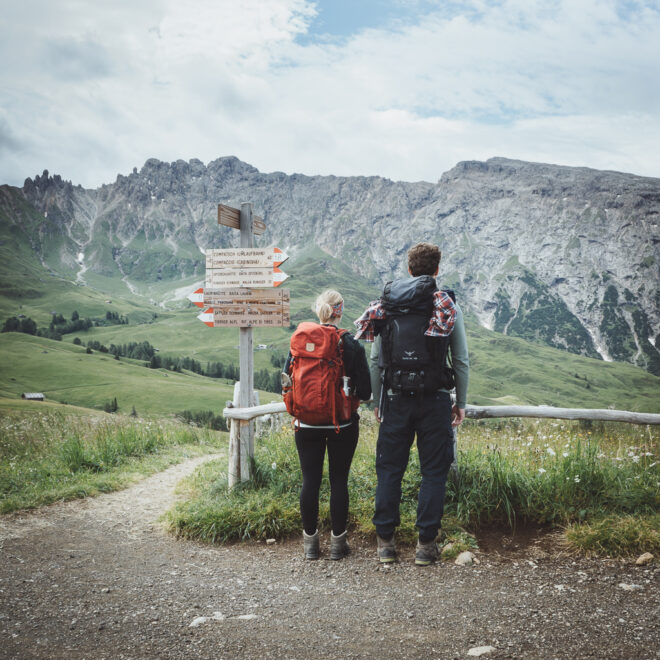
<point>49,456</point>
<point>540,473</point>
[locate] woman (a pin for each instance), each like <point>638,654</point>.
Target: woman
<point>339,439</point>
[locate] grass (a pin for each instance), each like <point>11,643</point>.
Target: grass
<point>66,373</point>
<point>600,483</point>
<point>48,455</point>
<point>615,536</point>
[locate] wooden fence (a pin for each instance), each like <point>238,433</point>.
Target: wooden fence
<point>240,452</point>
<point>482,412</point>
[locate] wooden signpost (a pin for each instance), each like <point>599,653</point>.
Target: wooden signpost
<point>248,277</point>
<point>216,297</point>
<point>240,258</point>
<point>245,315</point>
<point>240,292</point>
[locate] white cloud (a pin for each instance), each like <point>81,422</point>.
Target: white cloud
<point>94,92</point>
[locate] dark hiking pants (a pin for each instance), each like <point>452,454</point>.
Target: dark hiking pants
<point>311,444</point>
<point>403,418</point>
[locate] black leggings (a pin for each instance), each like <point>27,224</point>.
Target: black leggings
<point>311,444</point>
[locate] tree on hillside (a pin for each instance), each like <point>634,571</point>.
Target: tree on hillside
<point>28,326</point>
<point>75,316</point>
<point>12,324</point>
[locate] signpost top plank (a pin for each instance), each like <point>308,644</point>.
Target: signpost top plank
<point>231,217</point>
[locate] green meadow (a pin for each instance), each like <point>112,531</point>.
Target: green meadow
<point>66,373</point>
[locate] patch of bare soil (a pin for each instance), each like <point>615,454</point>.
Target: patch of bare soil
<point>99,578</point>
<point>524,542</point>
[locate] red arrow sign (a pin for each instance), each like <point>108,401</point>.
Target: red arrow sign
<point>197,297</point>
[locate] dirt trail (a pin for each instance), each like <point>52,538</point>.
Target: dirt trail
<point>99,578</point>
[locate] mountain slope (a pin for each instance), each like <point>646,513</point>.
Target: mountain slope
<point>563,256</point>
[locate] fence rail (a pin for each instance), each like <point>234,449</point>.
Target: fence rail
<point>481,412</point>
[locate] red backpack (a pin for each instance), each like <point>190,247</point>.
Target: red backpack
<point>316,395</point>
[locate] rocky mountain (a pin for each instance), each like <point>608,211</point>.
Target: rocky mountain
<point>560,255</point>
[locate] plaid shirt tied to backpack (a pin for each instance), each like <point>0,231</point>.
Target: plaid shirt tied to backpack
<point>441,322</point>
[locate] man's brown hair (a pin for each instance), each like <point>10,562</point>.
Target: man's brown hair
<point>423,259</point>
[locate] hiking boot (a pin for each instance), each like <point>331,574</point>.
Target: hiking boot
<point>386,550</point>
<point>311,544</point>
<point>338,546</point>
<point>426,553</point>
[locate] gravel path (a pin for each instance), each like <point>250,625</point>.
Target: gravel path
<point>99,578</point>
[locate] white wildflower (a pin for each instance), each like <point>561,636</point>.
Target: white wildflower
<point>551,451</point>
<point>576,479</point>
<point>541,470</point>
<point>274,465</point>
<point>565,454</point>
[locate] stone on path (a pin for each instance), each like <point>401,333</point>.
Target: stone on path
<point>644,559</point>
<point>466,558</point>
<point>476,651</point>
<point>630,587</point>
<point>198,621</point>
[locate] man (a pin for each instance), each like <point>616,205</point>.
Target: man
<point>413,326</point>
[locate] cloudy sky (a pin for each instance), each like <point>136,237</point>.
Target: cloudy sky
<point>399,88</point>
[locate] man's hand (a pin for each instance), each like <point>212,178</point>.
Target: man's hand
<point>457,415</point>
<point>376,413</point>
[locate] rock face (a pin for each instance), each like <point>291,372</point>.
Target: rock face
<point>564,256</point>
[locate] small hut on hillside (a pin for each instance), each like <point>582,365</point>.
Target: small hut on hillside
<point>33,396</point>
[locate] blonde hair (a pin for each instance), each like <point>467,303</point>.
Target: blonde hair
<point>324,303</point>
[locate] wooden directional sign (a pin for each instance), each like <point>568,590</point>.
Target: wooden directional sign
<point>245,258</point>
<point>223,297</point>
<point>231,217</point>
<point>246,315</point>
<point>219,278</point>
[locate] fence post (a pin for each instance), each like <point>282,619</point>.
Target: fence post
<point>234,471</point>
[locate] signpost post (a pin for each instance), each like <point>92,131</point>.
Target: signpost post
<point>241,292</point>
<point>246,358</point>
